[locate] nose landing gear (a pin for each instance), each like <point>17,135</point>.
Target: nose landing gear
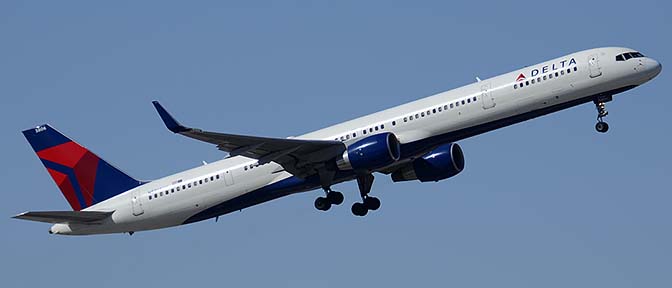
<point>600,105</point>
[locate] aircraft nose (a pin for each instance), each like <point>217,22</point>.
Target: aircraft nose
<point>652,68</point>
<point>657,67</point>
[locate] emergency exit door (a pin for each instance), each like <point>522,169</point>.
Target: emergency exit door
<point>486,96</point>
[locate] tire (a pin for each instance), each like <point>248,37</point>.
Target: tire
<point>602,127</point>
<point>359,209</point>
<point>335,197</point>
<point>322,204</point>
<point>372,203</point>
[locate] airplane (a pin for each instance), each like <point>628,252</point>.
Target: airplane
<point>415,141</point>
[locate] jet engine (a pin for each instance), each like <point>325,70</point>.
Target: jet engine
<point>441,163</point>
<point>371,153</point>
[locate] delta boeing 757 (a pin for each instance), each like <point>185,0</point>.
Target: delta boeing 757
<point>414,141</point>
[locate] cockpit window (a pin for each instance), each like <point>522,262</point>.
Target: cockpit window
<point>628,55</point>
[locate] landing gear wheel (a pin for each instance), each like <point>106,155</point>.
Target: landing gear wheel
<point>600,105</point>
<point>359,209</point>
<point>372,203</point>
<point>602,127</point>
<point>335,197</point>
<point>322,204</point>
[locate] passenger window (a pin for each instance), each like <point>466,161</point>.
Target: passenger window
<point>556,74</point>
<point>376,128</point>
<point>451,105</point>
<point>217,176</point>
<point>364,132</point>
<point>434,110</point>
<point>445,107</point>
<point>562,72</point>
<point>569,71</point>
<point>161,193</point>
<point>150,197</point>
<point>533,81</point>
<point>527,83</point>
<point>417,116</point>
<point>354,135</point>
<point>457,104</point>
<point>422,114</point>
<point>575,69</point>
<point>515,86</point>
<point>462,102</point>
<point>439,108</point>
<point>468,100</point>
<point>172,190</point>
<point>200,181</point>
<point>382,126</point>
<point>405,119</point>
<point>538,79</point>
<point>474,98</point>
<point>371,130</point>
<point>189,185</point>
<point>155,195</point>
<point>178,188</point>
<point>212,178</point>
<point>206,180</point>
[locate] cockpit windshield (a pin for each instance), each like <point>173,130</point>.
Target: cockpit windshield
<point>628,55</point>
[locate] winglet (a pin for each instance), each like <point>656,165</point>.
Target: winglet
<point>170,122</point>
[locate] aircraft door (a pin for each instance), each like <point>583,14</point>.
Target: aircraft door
<point>137,205</point>
<point>594,66</point>
<point>228,178</point>
<point>486,97</point>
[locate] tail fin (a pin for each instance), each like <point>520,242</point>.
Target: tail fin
<point>84,178</point>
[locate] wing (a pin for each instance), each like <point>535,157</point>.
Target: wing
<point>298,157</point>
<point>66,217</point>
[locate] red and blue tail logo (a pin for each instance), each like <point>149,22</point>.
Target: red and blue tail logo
<point>84,178</point>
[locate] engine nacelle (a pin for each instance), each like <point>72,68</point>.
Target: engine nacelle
<point>441,163</point>
<point>371,153</point>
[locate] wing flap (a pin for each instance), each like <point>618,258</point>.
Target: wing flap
<point>65,217</point>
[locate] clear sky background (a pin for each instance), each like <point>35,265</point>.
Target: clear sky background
<point>546,203</point>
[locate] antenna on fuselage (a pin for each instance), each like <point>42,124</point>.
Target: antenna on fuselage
<point>478,79</point>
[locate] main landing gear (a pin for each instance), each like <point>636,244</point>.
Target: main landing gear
<point>332,198</point>
<point>600,105</point>
<point>368,202</point>
<point>358,208</point>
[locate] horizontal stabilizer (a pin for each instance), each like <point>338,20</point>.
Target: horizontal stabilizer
<point>65,217</point>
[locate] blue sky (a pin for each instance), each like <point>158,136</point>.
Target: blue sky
<point>546,203</point>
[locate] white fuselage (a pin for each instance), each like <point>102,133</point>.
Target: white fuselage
<point>580,75</point>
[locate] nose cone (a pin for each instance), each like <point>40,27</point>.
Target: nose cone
<point>655,68</point>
